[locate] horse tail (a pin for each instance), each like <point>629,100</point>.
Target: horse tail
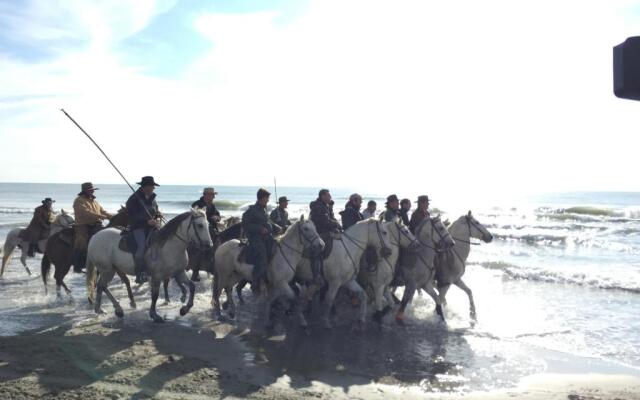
<point>10,244</point>
<point>92,276</point>
<point>45,267</point>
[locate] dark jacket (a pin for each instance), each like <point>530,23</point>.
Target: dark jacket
<point>136,206</point>
<point>322,216</point>
<point>253,222</point>
<point>211,210</point>
<point>404,214</point>
<point>416,219</point>
<point>350,215</point>
<point>390,215</point>
<point>280,217</point>
<point>39,226</point>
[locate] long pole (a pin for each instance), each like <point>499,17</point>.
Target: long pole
<point>108,159</point>
<point>275,188</point>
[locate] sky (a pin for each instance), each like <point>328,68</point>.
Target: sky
<point>466,97</point>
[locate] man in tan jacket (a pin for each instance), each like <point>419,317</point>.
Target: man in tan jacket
<point>89,215</point>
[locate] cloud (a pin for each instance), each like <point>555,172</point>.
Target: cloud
<point>461,96</point>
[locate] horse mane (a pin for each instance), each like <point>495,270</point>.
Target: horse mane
<point>290,229</point>
<point>171,227</point>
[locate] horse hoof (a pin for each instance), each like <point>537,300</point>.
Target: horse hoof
<point>183,299</point>
<point>386,310</point>
<point>184,310</point>
<point>225,305</point>
<point>158,319</point>
<point>119,313</point>
<point>133,305</point>
<point>90,301</point>
<point>100,311</point>
<point>232,315</point>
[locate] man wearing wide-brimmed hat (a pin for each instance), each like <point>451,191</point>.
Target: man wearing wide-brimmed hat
<point>420,214</point>
<point>144,214</point>
<point>259,231</point>
<point>89,215</point>
<point>279,215</point>
<point>39,226</point>
<point>213,216</point>
<point>392,212</point>
<point>321,213</point>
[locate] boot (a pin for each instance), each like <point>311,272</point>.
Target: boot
<point>316,266</point>
<point>195,274</point>
<point>141,277</point>
<point>256,279</point>
<point>79,259</point>
<point>32,249</point>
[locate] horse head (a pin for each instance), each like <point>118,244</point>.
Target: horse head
<point>436,236</point>
<point>378,236</point>
<point>308,235</point>
<point>198,229</point>
<point>476,229</point>
<point>63,219</point>
<point>406,239</point>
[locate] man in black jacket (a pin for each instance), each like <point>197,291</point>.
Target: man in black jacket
<point>143,217</point>
<point>405,207</point>
<point>213,216</point>
<point>392,212</point>
<point>279,215</point>
<point>259,231</point>
<point>322,216</point>
<point>351,213</point>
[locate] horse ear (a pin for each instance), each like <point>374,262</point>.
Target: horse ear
<point>302,218</point>
<point>62,211</point>
<point>469,213</point>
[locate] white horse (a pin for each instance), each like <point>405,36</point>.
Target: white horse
<point>432,236</point>
<point>381,275</point>
<point>61,221</point>
<point>166,257</point>
<point>288,250</point>
<point>451,267</point>
<point>341,267</point>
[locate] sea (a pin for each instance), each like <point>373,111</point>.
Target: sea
<point>558,290</point>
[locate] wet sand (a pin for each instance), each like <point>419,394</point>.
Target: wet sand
<point>113,359</point>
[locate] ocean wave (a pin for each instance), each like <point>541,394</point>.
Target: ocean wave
<point>228,205</point>
<point>15,210</point>
<point>588,214</point>
<point>516,272</point>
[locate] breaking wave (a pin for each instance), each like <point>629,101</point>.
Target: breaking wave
<point>228,205</point>
<point>15,210</point>
<point>515,272</point>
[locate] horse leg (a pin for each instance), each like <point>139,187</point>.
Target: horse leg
<point>183,290</point>
<point>231,304</point>
<point>103,282</point>
<point>215,298</point>
<point>392,292</point>
<point>239,288</point>
<point>125,279</point>
<point>378,294</point>
<point>442,290</point>
<point>428,287</point>
<point>165,286</point>
<point>23,260</point>
<point>472,306</point>
<point>409,291</point>
<point>155,292</point>
<point>354,287</point>
<point>328,303</point>
<point>183,279</point>
<point>116,304</point>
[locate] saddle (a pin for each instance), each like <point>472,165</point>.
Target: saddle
<point>328,246</point>
<point>128,242</point>
<point>246,256</point>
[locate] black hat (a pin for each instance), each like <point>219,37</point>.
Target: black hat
<point>147,181</point>
<point>209,190</point>
<point>262,193</point>
<point>85,187</point>
<point>423,199</point>
<point>372,203</point>
<point>405,201</point>
<point>282,199</point>
<point>392,198</point>
<point>48,199</point>
<point>322,192</point>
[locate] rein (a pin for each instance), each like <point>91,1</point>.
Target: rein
<point>301,236</point>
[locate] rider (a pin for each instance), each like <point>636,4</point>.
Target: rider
<point>38,228</point>
<point>322,216</point>
<point>392,212</point>
<point>420,214</point>
<point>143,218</point>
<point>259,231</point>
<point>370,211</point>
<point>279,215</point>
<point>89,215</point>
<point>405,207</point>
<point>351,213</point>
<point>213,216</point>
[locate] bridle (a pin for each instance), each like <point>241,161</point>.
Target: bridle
<point>200,242</point>
<point>439,246</point>
<point>384,250</point>
<point>471,222</point>
<point>303,239</point>
<point>405,234</point>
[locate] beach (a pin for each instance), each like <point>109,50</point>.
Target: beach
<point>557,294</point>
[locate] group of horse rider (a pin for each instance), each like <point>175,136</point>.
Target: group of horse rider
<point>258,226</point>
